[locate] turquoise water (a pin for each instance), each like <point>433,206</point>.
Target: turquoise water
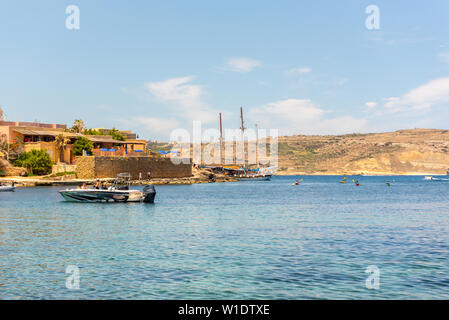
<point>245,240</point>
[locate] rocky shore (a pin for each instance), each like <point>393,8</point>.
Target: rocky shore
<point>199,176</point>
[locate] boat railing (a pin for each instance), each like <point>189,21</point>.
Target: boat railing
<point>122,181</point>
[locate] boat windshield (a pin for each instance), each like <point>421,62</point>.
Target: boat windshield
<point>122,181</point>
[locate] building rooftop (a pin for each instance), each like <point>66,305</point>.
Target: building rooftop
<point>35,131</point>
<point>53,130</point>
<point>33,124</point>
<point>30,131</point>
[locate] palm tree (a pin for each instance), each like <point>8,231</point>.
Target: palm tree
<point>61,142</point>
<point>78,126</point>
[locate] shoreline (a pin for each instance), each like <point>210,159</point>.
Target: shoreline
<point>366,174</point>
<point>199,176</point>
<point>24,182</point>
<point>27,183</point>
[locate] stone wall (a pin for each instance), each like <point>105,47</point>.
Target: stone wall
<point>85,167</point>
<point>108,167</point>
<point>33,124</point>
<point>60,168</point>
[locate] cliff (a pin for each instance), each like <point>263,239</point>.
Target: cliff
<point>417,151</point>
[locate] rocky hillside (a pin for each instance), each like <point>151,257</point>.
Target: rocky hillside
<point>417,151</point>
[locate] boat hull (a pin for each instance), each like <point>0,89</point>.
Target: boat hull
<point>264,178</point>
<point>76,195</point>
<point>7,189</point>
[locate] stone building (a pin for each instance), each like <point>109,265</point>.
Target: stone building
<point>41,136</point>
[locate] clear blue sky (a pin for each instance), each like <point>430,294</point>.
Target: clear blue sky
<point>299,66</point>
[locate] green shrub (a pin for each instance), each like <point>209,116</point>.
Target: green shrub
<point>81,144</point>
<point>38,162</point>
<point>116,135</point>
<point>93,132</point>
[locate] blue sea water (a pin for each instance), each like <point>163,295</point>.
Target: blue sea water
<point>243,240</point>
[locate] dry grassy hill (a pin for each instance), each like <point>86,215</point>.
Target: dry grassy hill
<point>417,151</point>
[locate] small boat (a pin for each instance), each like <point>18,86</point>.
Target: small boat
<point>344,180</point>
<point>254,177</point>
<point>10,188</point>
<point>435,179</point>
<point>118,192</point>
<point>262,174</point>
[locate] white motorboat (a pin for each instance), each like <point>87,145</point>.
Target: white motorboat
<point>435,178</point>
<point>7,188</point>
<point>118,192</point>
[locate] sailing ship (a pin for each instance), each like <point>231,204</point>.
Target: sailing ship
<point>243,173</point>
<point>259,174</point>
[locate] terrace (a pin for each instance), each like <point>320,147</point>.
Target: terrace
<point>40,136</point>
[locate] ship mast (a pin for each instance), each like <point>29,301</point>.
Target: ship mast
<point>257,145</point>
<point>242,128</point>
<point>221,142</point>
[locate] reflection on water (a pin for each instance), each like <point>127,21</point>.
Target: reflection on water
<point>248,240</point>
